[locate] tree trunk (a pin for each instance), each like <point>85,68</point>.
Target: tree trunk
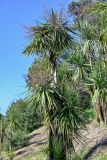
<point>10,145</point>
<point>52,136</point>
<point>63,151</point>
<point>10,141</point>
<point>53,65</point>
<point>100,115</point>
<point>51,154</point>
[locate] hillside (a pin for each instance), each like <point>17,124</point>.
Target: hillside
<point>37,141</point>
<point>93,144</point>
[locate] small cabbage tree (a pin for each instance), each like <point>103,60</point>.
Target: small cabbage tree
<point>50,39</point>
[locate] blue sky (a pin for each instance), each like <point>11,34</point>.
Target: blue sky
<point>14,16</point>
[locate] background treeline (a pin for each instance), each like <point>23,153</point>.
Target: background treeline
<point>19,120</point>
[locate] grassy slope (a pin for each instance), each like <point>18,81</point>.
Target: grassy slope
<point>95,142</point>
<point>36,156</point>
<point>37,143</point>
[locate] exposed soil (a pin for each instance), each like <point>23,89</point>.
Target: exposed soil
<point>94,140</point>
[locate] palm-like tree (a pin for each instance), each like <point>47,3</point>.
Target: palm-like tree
<point>50,39</point>
<point>11,125</point>
<point>97,84</point>
<point>92,50</point>
<point>79,66</point>
<point>68,115</point>
<point>88,40</point>
<point>93,40</point>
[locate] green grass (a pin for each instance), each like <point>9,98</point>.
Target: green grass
<point>90,113</point>
<point>40,155</point>
<point>100,157</point>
